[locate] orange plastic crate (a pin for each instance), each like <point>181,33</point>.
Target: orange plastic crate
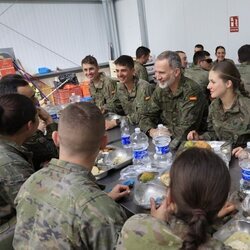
<point>61,96</point>
<point>6,63</point>
<point>7,71</point>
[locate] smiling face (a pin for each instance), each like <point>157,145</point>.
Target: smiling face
<point>218,88</point>
<point>220,54</point>
<point>90,71</point>
<point>164,74</point>
<point>124,73</point>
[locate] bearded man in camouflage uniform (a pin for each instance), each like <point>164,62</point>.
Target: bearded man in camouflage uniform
<point>178,102</point>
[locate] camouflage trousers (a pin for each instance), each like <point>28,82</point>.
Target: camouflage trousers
<point>7,234</point>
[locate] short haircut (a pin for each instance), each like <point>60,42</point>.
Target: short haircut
<point>89,60</point>
<point>81,128</point>
<point>244,53</point>
<point>125,60</point>
<point>180,52</point>
<point>200,55</point>
<point>10,83</point>
<point>173,58</point>
<point>219,47</point>
<point>200,46</point>
<point>15,111</point>
<point>141,51</point>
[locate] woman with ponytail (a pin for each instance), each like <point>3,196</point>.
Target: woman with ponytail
<point>18,121</point>
<point>199,187</point>
<point>229,112</point>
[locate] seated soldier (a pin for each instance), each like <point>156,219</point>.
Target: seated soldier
<point>202,63</point>
<point>199,187</point>
<point>178,102</point>
<point>142,56</point>
<point>18,121</point>
<point>61,206</point>
<point>244,67</point>
<point>42,146</point>
<point>132,94</point>
<point>102,88</point>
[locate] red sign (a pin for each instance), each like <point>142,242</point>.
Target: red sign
<point>234,23</point>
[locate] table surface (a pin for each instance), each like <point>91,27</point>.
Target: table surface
<point>127,203</point>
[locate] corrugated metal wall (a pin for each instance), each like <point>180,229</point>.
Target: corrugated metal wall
<point>71,30</point>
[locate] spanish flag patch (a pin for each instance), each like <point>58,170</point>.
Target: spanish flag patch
<point>147,98</point>
<point>192,98</point>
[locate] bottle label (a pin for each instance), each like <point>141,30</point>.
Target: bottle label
<point>125,140</point>
<point>140,154</point>
<point>245,171</point>
<point>162,150</point>
<point>54,116</point>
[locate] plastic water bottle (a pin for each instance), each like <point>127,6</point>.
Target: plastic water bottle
<point>52,110</point>
<point>139,143</point>
<point>162,156</point>
<point>125,134</point>
<point>244,163</point>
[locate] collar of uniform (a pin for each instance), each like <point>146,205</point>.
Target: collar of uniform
<point>100,83</point>
<point>179,90</point>
<point>14,147</point>
<point>235,107</point>
<point>134,90</point>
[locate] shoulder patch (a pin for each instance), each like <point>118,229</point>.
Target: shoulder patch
<point>147,98</point>
<point>192,98</point>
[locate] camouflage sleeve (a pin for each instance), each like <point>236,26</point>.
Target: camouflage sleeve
<point>210,134</point>
<point>104,222</point>
<point>114,105</point>
<point>141,104</point>
<point>143,231</point>
<point>191,118</point>
<point>42,147</point>
<point>150,118</point>
<point>13,175</point>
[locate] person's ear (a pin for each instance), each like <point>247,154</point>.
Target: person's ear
<point>104,141</point>
<point>31,126</point>
<point>55,137</point>
<point>177,72</point>
<point>229,84</point>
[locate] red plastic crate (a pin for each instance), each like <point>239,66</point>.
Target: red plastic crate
<point>61,96</point>
<point>7,71</point>
<point>6,63</point>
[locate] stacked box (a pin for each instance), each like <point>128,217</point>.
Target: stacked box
<point>6,67</point>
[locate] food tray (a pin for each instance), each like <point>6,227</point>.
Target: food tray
<point>222,148</point>
<point>231,227</point>
<point>112,157</point>
<point>144,191</point>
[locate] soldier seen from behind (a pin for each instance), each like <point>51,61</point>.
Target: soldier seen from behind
<point>61,206</point>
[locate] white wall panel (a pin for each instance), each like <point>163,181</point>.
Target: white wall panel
<point>71,30</point>
<point>128,26</point>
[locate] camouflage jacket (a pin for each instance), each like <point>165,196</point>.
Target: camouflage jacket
<point>15,168</point>
<point>141,71</point>
<point>42,146</point>
<point>232,125</point>
<point>180,112</point>
<point>143,231</point>
<point>244,69</point>
<point>103,91</point>
<point>133,103</point>
<point>199,75</point>
<point>61,207</point>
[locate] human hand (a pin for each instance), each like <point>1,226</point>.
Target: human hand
<point>110,124</point>
<point>118,192</point>
<point>41,125</point>
<point>193,135</point>
<point>237,151</point>
<point>226,209</point>
<point>44,115</point>
<point>163,211</point>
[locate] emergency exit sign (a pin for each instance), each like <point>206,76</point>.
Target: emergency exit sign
<point>234,23</point>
